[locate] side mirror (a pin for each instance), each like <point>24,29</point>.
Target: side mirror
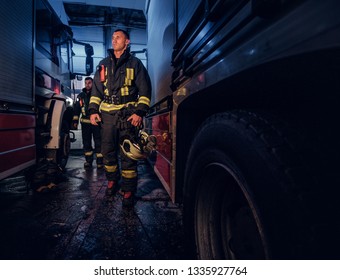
<point>89,50</point>
<point>89,65</point>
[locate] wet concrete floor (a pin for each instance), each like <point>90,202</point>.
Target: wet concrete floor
<point>77,220</point>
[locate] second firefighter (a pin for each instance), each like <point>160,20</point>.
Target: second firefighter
<point>88,130</point>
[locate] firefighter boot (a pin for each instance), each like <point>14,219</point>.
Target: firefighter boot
<point>88,162</point>
<point>110,190</point>
<point>99,161</point>
<point>128,199</point>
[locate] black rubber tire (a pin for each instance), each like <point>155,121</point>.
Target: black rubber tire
<point>64,146</point>
<point>242,195</point>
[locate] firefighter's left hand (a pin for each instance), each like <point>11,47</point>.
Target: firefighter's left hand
<point>74,126</point>
<point>135,120</point>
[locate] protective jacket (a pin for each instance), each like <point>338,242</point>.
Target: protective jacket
<point>120,83</point>
<point>81,108</point>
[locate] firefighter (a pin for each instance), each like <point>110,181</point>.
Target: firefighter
<point>120,99</point>
<point>88,130</point>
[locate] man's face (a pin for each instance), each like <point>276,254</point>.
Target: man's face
<point>119,41</point>
<point>88,85</point>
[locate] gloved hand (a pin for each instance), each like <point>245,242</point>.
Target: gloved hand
<point>74,126</point>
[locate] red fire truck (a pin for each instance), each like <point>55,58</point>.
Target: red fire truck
<point>246,101</point>
<point>35,81</point>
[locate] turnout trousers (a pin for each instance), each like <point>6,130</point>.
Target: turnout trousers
<point>88,131</point>
<point>112,136</point>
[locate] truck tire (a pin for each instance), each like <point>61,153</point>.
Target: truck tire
<point>242,195</point>
<point>64,146</point>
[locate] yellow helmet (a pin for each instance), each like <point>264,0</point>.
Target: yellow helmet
<point>140,148</point>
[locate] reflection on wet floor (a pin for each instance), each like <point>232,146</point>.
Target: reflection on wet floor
<point>76,220</point>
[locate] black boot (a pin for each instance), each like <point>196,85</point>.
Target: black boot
<point>111,188</point>
<point>88,162</point>
<point>128,199</point>
<point>99,161</point>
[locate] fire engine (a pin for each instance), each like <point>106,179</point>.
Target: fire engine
<point>245,110</point>
<point>35,81</point>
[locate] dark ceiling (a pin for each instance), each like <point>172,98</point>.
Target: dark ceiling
<point>92,15</point>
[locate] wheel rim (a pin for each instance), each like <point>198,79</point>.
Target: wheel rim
<point>227,224</point>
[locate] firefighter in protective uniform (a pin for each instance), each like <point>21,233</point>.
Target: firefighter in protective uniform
<point>87,129</point>
<point>120,99</point>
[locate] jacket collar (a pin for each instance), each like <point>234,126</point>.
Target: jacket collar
<point>125,55</point>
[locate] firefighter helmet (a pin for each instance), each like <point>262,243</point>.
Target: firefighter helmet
<point>139,148</point>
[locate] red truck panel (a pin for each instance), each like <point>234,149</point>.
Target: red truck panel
<point>17,143</point>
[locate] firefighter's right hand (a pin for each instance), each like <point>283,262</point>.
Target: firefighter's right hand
<point>95,119</point>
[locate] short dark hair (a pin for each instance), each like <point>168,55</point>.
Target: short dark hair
<point>124,31</point>
<point>88,78</point>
